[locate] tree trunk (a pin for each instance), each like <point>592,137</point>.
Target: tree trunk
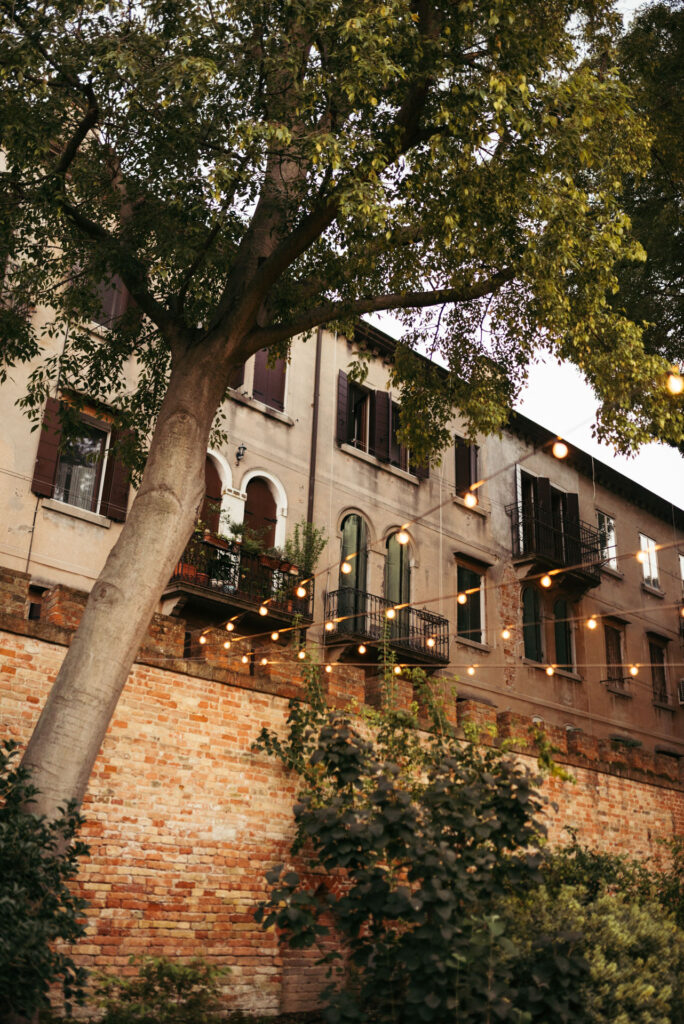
<point>73,723</point>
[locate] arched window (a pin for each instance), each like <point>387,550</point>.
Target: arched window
<point>562,634</point>
<point>532,632</point>
<point>260,511</point>
<point>397,572</point>
<point>352,597</point>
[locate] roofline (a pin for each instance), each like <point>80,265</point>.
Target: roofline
<point>596,471</point>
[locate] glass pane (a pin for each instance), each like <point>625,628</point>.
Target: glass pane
<point>469,615</point>
<point>78,472</point>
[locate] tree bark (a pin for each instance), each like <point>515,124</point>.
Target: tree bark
<point>66,741</point>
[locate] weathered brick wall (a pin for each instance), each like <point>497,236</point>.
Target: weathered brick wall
<point>184,818</point>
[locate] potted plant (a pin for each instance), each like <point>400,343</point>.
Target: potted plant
<point>305,546</point>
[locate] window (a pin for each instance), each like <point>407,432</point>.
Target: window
<point>269,381</point>
<point>546,522</point>
<point>532,626</point>
<point>399,453</point>
<point>114,299</point>
<point>83,471</point>
<point>397,572</point>
<point>469,616</point>
<point>656,650</point>
<point>562,634</point>
<point>360,418</point>
<point>648,557</point>
<point>615,679</point>
<point>467,468</point>
<point>352,596</point>
<point>261,513</point>
<point>607,542</point>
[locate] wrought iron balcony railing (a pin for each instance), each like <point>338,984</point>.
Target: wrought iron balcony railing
<point>572,545</point>
<point>224,570</point>
<point>357,615</point>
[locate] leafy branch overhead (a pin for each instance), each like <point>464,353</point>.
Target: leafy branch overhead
<point>252,170</point>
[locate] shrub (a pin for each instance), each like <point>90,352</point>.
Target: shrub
<point>37,859</point>
<point>163,992</point>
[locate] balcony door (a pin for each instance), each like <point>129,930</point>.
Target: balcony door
<point>261,513</point>
<point>398,584</point>
<point>352,599</point>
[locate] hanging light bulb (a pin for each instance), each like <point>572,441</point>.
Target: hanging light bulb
<point>329,626</point>
<point>227,645</point>
<point>431,641</point>
<point>264,661</point>
<point>244,659</point>
<point>462,598</point>
<point>301,655</point>
<point>263,610</point>
<point>230,626</point>
<point>559,450</point>
<point>345,568</point>
<point>505,633</point>
<point>403,537</point>
<point>470,499</point>
<point>675,383</point>
<point>397,670</point>
<point>591,622</point>
<point>550,670</point>
<point>361,648</point>
<point>275,635</point>
<point>203,639</point>
<point>390,613</point>
<point>546,581</point>
<point>471,670</point>
<point>328,668</point>
<point>641,557</point>
<point>634,670</point>
<point>300,591</point>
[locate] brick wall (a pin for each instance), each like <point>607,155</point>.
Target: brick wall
<point>184,818</point>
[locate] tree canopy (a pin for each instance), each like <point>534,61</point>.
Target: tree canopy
<point>251,170</point>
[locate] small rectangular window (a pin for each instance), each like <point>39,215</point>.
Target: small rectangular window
<point>80,470</point>
<point>607,541</point>
<point>615,677</point>
<point>648,556</point>
<point>656,650</point>
<point>467,465</point>
<point>470,615</point>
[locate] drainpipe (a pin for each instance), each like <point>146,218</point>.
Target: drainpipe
<point>314,426</point>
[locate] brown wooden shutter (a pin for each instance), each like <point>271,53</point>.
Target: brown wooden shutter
<point>544,517</point>
<point>573,547</point>
<point>342,408</point>
<point>47,457</point>
<point>463,480</point>
<point>381,426</point>
<point>474,458</point>
<point>261,511</point>
<point>116,485</point>
<point>269,383</point>
<point>210,514</point>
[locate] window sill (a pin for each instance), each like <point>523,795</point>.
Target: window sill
<point>253,403</point>
<point>485,648</point>
<point>543,665</point>
<point>349,449</point>
<point>76,513</point>
<point>664,707</point>
<point>654,591</point>
<point>614,573</point>
<point>481,509</point>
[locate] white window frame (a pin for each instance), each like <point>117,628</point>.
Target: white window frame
<point>105,429</point>
<point>609,550</point>
<point>649,561</point>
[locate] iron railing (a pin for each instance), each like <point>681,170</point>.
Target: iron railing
<point>249,579</point>
<point>361,616</point>
<point>573,545</point>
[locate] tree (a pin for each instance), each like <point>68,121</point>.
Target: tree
<point>651,55</point>
<point>250,170</point>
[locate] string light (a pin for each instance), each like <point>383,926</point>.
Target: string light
<point>634,670</point>
<point>329,626</point>
<point>462,598</point>
<point>301,655</point>
<point>300,591</point>
<point>550,670</point>
<point>470,499</point>
<point>397,670</point>
<point>641,557</point>
<point>546,581</point>
<point>559,450</point>
<point>471,670</point>
<point>203,639</point>
<point>264,661</point>
<point>345,568</point>
<point>592,623</point>
<point>275,635</point>
<point>403,537</point>
<point>675,383</point>
<point>431,641</point>
<point>390,613</point>
<point>361,648</point>
<point>230,626</point>
<point>505,633</point>
<point>244,659</point>
<point>263,610</point>
<point>227,645</point>
<point>328,668</point>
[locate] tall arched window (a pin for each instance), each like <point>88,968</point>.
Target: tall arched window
<point>260,511</point>
<point>532,631</point>
<point>352,598</point>
<point>562,634</point>
<point>397,572</point>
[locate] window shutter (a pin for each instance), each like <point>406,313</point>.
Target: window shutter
<point>463,480</point>
<point>474,453</point>
<point>342,407</point>
<point>381,427</point>
<point>269,383</point>
<point>573,547</point>
<point>260,511</point>
<point>544,517</point>
<point>47,457</point>
<point>116,484</point>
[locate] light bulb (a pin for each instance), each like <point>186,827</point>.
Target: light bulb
<point>470,499</point>
<point>227,645</point>
<point>329,626</point>
<point>559,450</point>
<point>203,639</point>
<point>641,557</point>
<point>462,598</point>
<point>328,668</point>
<point>275,635</point>
<point>362,648</point>
<point>471,670</point>
<point>403,537</point>
<point>592,623</point>
<point>550,670</point>
<point>431,641</point>
<point>301,655</point>
<point>345,568</point>
<point>505,633</point>
<point>300,591</point>
<point>390,613</point>
<point>397,670</point>
<point>634,670</point>
<point>230,626</point>
<point>263,610</point>
<point>675,383</point>
<point>546,581</point>
<point>264,661</point>
<point>244,659</point>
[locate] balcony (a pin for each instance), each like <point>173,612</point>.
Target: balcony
<point>220,580</point>
<point>414,633</point>
<point>574,546</point>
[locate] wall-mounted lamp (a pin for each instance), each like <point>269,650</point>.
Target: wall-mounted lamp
<point>240,453</point>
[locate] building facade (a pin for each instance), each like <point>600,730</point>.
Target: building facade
<point>545,586</point>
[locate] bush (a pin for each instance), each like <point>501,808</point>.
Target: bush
<point>37,859</point>
<point>163,992</point>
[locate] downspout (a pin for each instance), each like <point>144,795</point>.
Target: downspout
<point>314,427</point>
